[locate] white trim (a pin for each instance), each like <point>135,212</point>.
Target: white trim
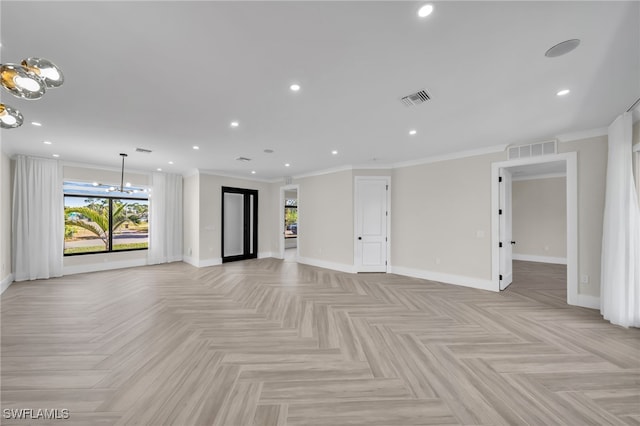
<point>209,262</point>
<point>190,260</point>
<point>453,156</point>
<point>191,172</point>
<point>571,159</point>
<point>541,259</point>
<point>240,177</point>
<point>324,172</point>
<point>365,166</point>
<point>583,134</point>
<point>542,176</point>
<point>327,265</point>
<point>636,147</point>
<point>460,280</point>
<point>265,254</point>
<point>103,266</point>
<point>106,168</point>
<point>6,282</point>
<point>356,219</point>
<point>202,263</point>
<point>586,301</point>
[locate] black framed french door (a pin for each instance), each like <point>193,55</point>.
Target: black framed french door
<point>239,224</point>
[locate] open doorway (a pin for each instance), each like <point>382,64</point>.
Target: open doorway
<point>289,223</point>
<point>503,238</point>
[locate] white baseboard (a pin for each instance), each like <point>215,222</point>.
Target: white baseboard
<point>444,278</point>
<point>201,263</point>
<point>542,259</point>
<point>6,282</point>
<point>327,265</point>
<point>586,301</point>
<point>262,255</point>
<point>102,266</point>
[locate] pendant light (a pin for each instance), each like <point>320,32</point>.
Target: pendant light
<point>10,118</point>
<point>28,80</point>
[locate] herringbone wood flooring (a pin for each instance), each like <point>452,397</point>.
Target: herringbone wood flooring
<point>268,342</point>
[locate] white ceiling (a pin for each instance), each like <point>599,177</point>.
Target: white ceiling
<point>169,75</point>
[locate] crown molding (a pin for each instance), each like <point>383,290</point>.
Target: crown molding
<point>453,156</point>
<point>583,134</point>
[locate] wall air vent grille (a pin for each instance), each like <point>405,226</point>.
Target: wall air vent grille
<point>533,150</point>
<point>245,159</point>
<point>416,98</point>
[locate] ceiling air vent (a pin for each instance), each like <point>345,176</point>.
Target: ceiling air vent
<point>416,98</point>
<point>533,149</point>
<point>145,151</point>
<point>245,159</point>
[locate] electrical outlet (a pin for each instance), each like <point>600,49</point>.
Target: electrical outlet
<point>584,279</point>
<point>546,248</point>
<point>480,234</point>
<point>438,260</point>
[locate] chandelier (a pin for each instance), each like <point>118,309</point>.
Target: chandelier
<point>28,80</point>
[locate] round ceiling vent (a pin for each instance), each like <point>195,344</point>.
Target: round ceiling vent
<point>562,48</point>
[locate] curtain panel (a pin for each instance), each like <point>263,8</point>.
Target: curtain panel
<point>620,280</point>
<point>38,219</point>
<point>165,219</point>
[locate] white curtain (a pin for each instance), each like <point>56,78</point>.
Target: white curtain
<point>165,219</point>
<point>38,219</point>
<point>620,280</point>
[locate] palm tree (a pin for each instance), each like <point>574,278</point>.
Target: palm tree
<point>97,219</point>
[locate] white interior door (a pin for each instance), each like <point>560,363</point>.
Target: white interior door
<point>371,224</point>
<point>505,219</point>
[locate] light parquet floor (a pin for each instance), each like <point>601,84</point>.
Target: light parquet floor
<point>267,342</point>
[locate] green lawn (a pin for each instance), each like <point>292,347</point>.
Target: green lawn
<point>100,248</point>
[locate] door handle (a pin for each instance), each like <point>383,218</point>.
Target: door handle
<point>359,238</point>
<point>513,242</point>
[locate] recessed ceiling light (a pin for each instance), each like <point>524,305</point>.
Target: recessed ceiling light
<point>159,169</point>
<point>234,124</point>
<point>334,152</point>
<point>562,48</point>
<point>128,184</point>
<point>287,165</point>
<point>425,11</point>
<point>170,162</point>
<point>47,142</point>
<point>253,172</point>
<point>294,87</point>
<point>563,92</point>
<point>413,132</point>
<point>196,147</point>
<point>95,184</point>
<point>56,155</point>
<point>35,123</point>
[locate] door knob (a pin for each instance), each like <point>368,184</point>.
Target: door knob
<point>359,238</point>
<point>513,242</point>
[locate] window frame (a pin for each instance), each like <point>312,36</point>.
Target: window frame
<point>110,199</point>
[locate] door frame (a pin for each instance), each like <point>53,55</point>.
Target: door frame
<point>247,214</point>
<point>356,220</point>
<point>571,162</point>
<point>281,221</point>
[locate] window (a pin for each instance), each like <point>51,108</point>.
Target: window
<point>95,223</point>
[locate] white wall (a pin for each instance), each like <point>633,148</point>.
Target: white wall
<point>440,221</point>
<point>592,166</point>
<point>540,218</point>
<point>325,209</point>
<point>191,218</point>
<point>6,174</point>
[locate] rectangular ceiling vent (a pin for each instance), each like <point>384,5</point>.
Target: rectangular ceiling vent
<point>533,149</point>
<point>416,98</point>
<point>143,150</point>
<point>245,159</point>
